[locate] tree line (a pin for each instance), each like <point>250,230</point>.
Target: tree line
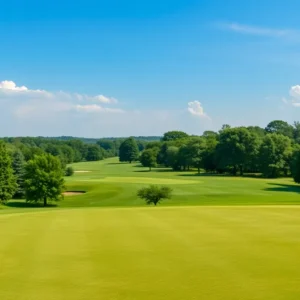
<point>270,152</point>
<point>69,150</point>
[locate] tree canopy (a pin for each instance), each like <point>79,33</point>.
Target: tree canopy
<point>148,158</point>
<point>129,151</point>
<point>43,179</point>
<point>8,184</point>
<point>154,194</point>
<point>174,135</point>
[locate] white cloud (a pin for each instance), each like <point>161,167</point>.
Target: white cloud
<point>11,86</point>
<point>295,91</point>
<point>97,108</point>
<point>33,112</point>
<point>196,109</point>
<point>295,96</point>
<point>260,31</point>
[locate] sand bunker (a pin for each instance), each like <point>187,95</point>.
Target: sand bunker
<point>82,171</point>
<point>73,193</point>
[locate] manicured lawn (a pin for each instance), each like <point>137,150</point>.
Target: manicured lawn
<point>249,252</point>
<point>109,183</point>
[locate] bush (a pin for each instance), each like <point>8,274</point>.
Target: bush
<point>69,171</point>
<point>154,194</point>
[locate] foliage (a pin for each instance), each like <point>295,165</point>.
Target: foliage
<point>174,135</point>
<point>8,184</point>
<point>69,171</point>
<point>129,151</point>
<point>172,157</point>
<point>18,165</point>
<point>148,158</point>
<point>236,148</point>
<point>93,153</point>
<point>280,127</point>
<point>154,194</point>
<point>43,179</point>
<point>275,155</point>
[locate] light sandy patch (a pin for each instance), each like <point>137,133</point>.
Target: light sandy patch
<point>82,171</point>
<point>73,193</point>
<point>145,180</point>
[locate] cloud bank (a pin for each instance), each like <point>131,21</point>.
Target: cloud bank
<point>33,112</point>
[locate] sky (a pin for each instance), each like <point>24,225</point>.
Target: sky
<point>122,68</point>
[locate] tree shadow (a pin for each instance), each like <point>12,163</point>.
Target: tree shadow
<point>278,187</point>
<point>24,204</point>
<point>155,171</point>
<point>257,176</point>
<point>207,175</point>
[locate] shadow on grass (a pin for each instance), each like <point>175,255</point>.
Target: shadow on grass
<point>155,171</point>
<point>258,176</point>
<point>277,187</point>
<point>24,204</point>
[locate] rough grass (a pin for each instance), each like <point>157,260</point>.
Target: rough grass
<point>179,253</point>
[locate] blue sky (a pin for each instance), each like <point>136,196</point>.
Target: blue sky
<point>118,68</point>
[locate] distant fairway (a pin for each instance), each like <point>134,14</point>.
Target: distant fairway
<point>218,238</point>
<point>110,183</point>
<point>158,253</point>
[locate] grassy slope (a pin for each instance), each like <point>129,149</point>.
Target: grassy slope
<point>112,184</point>
<point>158,253</point>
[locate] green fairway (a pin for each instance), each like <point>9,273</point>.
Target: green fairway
<point>109,183</point>
<point>151,253</point>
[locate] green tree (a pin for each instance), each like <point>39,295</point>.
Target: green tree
<point>69,171</point>
<point>8,184</point>
<point>209,153</point>
<point>280,127</point>
<point>154,194</point>
<point>148,158</point>
<point>93,153</point>
<point>172,157</point>
<point>174,135</point>
<point>129,151</point>
<point>295,165</point>
<point>275,155</point>
<point>43,179</point>
<point>236,148</point>
<point>197,151</point>
<point>18,165</point>
<point>297,132</point>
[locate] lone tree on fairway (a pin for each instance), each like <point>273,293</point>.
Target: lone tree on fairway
<point>148,158</point>
<point>69,171</point>
<point>154,194</point>
<point>8,185</point>
<point>129,150</point>
<point>43,179</point>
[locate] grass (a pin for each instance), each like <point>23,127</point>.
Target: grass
<point>147,253</point>
<point>218,238</point>
<point>109,183</point>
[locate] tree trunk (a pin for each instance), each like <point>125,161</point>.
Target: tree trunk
<point>198,170</point>
<point>150,169</point>
<point>45,201</point>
